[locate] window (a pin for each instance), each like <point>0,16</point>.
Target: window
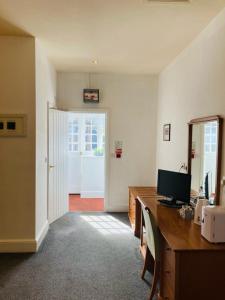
<point>86,134</point>
<point>210,137</point>
<point>103,142</point>
<point>73,136</point>
<point>91,135</point>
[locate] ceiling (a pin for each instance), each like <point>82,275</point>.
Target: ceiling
<point>128,36</point>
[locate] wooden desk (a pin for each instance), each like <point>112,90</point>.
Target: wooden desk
<point>191,267</point>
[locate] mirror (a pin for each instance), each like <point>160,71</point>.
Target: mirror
<point>204,157</point>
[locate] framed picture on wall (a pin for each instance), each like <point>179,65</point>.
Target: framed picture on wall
<point>91,95</point>
<point>166,132</point>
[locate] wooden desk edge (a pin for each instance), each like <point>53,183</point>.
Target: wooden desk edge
<point>202,244</point>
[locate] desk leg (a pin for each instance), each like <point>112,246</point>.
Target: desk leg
<point>137,231</point>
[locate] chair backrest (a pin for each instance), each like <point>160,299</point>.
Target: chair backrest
<point>152,233</point>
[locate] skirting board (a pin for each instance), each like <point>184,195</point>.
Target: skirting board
<point>18,246</point>
<point>23,245</point>
<point>40,237</point>
<point>117,208</point>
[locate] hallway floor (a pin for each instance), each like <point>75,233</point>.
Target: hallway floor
<point>88,256</point>
<point>78,204</point>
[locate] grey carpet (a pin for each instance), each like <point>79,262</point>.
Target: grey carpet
<point>84,256</point>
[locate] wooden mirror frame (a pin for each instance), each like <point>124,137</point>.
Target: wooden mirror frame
<point>219,149</point>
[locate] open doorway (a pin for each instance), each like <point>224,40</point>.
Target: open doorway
<point>86,161</point>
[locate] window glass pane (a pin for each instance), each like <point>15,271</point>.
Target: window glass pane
<point>94,146</point>
<point>88,122</point>
<point>213,147</point>
<point>75,138</point>
<point>94,130</point>
<point>76,129</point>
<point>207,129</point>
<point>88,129</point>
<point>88,147</point>
<point>214,130</point>
<point>88,138</point>
<point>94,138</point>
<point>213,139</point>
<point>70,147</point>
<point>207,148</point>
<point>207,139</point>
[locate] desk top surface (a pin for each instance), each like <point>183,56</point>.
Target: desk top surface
<point>180,234</point>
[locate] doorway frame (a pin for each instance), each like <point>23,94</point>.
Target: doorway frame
<point>107,149</point>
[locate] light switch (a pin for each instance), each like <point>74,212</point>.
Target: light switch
<point>13,125</point>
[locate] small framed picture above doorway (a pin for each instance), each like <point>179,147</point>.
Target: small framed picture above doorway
<point>166,132</point>
<point>91,96</point>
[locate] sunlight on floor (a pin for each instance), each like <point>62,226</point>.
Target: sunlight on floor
<point>107,224</point>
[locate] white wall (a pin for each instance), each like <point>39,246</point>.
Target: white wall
<point>17,155</point>
<point>192,86</point>
<point>45,92</point>
<point>131,101</point>
<point>92,177</point>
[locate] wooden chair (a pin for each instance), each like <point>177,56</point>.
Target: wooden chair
<point>152,247</point>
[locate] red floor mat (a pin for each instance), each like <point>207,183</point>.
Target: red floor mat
<point>85,204</point>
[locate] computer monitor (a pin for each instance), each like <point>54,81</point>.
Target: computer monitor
<point>176,186</point>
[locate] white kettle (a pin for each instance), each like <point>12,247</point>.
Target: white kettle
<point>198,210</point>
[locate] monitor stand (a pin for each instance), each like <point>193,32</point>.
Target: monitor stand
<point>172,203</point>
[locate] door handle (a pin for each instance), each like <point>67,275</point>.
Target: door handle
<point>51,167</point>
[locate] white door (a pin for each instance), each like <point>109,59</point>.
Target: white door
<point>74,153</point>
<point>58,164</point>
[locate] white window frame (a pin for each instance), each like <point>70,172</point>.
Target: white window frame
<point>81,134</point>
<point>74,146</point>
<point>210,135</point>
<point>90,134</point>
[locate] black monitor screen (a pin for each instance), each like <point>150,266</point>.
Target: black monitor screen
<point>174,185</point>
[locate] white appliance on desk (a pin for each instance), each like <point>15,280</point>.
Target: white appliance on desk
<point>213,224</point>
